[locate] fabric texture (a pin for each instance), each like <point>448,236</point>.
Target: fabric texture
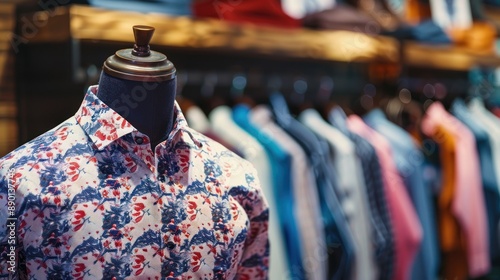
<point>409,162</point>
<point>223,125</point>
<point>285,200</point>
<point>383,239</point>
<point>406,226</point>
<point>454,260</point>
<point>339,243</point>
<point>352,186</point>
<point>307,211</point>
<point>197,120</point>
<point>465,196</point>
<point>340,246</point>
<point>492,125</point>
<point>94,201</point>
<point>484,136</point>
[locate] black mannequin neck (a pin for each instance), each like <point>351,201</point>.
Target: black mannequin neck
<point>148,106</point>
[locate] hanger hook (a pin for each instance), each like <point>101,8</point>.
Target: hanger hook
<point>238,84</point>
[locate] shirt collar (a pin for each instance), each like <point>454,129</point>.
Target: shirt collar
<point>375,116</point>
<point>459,108</point>
<point>338,119</point>
<point>261,114</point>
<point>434,116</point>
<point>104,126</point>
<point>477,103</point>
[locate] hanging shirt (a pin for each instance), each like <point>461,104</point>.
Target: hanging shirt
<point>466,197</point>
<point>223,125</point>
<point>352,185</point>
<point>94,201</point>
<point>409,162</point>
<point>307,207</point>
<point>281,175</point>
<point>198,121</point>
<point>488,175</point>
<point>338,241</point>
<point>383,240</point>
<point>492,125</point>
<point>406,226</point>
<point>454,256</point>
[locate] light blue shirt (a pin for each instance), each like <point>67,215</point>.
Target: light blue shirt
<point>409,161</point>
<point>281,170</point>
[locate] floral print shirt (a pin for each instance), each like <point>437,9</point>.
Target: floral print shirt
<point>89,199</point>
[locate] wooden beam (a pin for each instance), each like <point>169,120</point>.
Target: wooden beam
<point>446,57</point>
<point>100,25</point>
<point>92,24</point>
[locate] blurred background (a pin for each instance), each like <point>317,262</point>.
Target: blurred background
<point>397,55</point>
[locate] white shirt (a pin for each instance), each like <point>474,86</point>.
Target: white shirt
<point>307,206</point>
<point>351,183</point>
<point>197,119</point>
<point>300,8</point>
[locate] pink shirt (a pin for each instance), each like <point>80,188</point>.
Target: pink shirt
<point>407,229</point>
<point>468,201</point>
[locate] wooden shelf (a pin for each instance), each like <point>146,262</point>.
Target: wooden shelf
<point>91,24</point>
<point>446,57</point>
<point>99,25</point>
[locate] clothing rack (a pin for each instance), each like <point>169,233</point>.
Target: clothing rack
<point>220,61</point>
<point>79,38</point>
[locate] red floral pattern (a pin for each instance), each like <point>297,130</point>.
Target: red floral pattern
<point>93,204</point>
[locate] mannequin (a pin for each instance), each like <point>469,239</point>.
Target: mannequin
<point>96,203</point>
<point>148,106</point>
<point>139,84</point>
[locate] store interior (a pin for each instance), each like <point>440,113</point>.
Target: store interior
<point>361,55</point>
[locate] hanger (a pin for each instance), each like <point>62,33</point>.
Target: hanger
<point>323,101</point>
<point>407,110</point>
<point>238,88</point>
<point>298,98</point>
<point>277,102</point>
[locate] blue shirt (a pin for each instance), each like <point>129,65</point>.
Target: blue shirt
<point>339,240</point>
<point>409,161</point>
<point>281,171</point>
<point>380,219</point>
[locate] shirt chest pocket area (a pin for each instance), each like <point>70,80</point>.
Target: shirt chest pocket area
<point>213,238</point>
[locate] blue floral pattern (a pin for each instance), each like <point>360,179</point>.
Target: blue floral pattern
<point>93,204</point>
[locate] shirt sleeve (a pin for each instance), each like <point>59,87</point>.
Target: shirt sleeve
<point>255,260</point>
